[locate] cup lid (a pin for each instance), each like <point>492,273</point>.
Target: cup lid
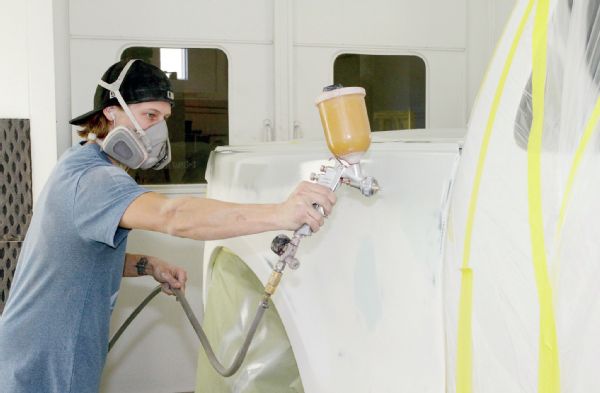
<point>337,92</point>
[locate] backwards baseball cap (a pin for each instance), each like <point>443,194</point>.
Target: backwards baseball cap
<point>143,82</point>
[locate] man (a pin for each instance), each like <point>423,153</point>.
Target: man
<point>54,330</point>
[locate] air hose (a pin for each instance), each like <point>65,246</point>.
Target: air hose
<point>210,354</point>
<point>282,246</point>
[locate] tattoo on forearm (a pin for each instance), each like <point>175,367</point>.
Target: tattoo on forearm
<point>141,266</point>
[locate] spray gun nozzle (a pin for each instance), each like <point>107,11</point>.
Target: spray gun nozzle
<point>369,186</point>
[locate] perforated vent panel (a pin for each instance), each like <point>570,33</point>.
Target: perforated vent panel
<point>9,253</point>
<point>15,196</point>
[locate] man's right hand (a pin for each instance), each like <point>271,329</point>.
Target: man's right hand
<point>299,208</point>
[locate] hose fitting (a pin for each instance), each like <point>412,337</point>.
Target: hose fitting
<point>273,282</point>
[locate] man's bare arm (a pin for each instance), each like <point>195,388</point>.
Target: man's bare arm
<point>209,219</point>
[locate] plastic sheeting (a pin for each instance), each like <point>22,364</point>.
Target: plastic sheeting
<point>233,295</point>
<point>522,247</point>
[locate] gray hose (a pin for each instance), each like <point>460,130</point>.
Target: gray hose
<point>239,358</point>
<point>134,314</point>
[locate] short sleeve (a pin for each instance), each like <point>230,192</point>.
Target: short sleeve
<point>103,194</point>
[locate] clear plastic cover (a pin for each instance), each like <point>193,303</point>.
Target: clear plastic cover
<point>522,246</point>
<point>234,293</point>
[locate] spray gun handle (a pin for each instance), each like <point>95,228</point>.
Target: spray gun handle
<point>305,230</point>
<point>330,177</point>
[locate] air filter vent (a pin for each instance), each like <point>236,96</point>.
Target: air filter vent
<point>15,196</point>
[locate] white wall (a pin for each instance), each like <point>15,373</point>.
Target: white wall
<point>62,74</point>
<point>14,69</point>
<point>28,79</point>
<point>42,99</point>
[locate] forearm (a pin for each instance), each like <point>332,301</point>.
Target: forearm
<point>209,219</point>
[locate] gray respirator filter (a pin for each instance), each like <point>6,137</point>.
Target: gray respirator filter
<point>125,146</point>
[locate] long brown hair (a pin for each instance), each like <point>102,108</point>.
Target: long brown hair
<point>97,124</point>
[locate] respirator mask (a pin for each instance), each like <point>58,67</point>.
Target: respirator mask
<point>138,148</point>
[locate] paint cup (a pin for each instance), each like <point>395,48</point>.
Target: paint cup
<point>345,121</point>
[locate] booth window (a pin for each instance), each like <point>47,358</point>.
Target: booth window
<point>174,62</point>
<point>395,87</point>
<point>199,120</point>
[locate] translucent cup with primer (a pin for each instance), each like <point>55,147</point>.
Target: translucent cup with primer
<point>345,122</point>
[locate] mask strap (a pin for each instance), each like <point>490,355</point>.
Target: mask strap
<point>113,88</point>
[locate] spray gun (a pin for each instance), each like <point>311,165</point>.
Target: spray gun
<point>348,133</point>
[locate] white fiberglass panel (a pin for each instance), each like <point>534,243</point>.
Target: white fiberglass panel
<point>364,310</point>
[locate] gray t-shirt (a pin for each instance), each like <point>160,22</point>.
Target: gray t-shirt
<point>54,329</point>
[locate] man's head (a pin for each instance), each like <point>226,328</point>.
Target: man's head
<point>132,101</point>
<point>143,82</point>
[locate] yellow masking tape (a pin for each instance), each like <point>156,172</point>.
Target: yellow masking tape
<point>464,370</point>
<point>464,353</point>
<point>548,368</point>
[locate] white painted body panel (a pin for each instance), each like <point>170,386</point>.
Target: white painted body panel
<point>364,310</point>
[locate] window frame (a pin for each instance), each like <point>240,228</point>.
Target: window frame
<point>388,52</point>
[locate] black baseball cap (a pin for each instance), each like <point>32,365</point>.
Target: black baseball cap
<point>143,82</point>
